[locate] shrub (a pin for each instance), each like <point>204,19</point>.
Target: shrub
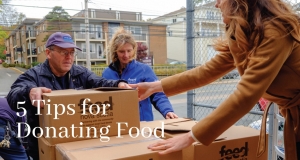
<point>28,66</point>
<point>5,65</point>
<point>12,65</point>
<point>35,63</point>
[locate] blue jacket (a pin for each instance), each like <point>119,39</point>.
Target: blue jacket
<point>41,76</point>
<point>136,72</point>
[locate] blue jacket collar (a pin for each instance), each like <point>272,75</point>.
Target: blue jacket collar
<point>115,65</point>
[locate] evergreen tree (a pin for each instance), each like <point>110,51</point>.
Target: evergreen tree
<point>58,19</point>
<point>58,14</point>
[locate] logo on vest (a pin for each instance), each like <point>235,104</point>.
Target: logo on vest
<point>131,81</point>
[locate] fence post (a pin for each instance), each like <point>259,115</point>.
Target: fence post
<point>190,52</point>
<point>271,136</point>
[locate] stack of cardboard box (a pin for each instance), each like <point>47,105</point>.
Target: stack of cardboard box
<point>236,143</point>
<point>101,125</point>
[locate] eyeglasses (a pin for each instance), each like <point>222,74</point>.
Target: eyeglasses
<point>65,52</point>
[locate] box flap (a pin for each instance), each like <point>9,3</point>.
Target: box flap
<point>112,89</point>
<point>183,126</point>
<point>158,123</point>
<point>72,92</point>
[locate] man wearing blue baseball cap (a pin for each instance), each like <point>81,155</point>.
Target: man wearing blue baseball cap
<point>56,73</point>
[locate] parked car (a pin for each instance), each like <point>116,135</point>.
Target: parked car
<point>177,62</point>
<point>231,75</point>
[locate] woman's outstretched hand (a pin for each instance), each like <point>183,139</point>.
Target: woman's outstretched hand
<point>173,144</point>
<point>146,89</point>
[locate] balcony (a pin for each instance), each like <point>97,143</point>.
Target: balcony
<point>30,34</point>
<point>93,55</point>
<point>33,52</point>
<point>92,35</point>
<point>140,37</point>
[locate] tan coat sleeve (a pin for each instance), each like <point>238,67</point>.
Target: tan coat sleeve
<point>218,66</point>
<point>257,77</point>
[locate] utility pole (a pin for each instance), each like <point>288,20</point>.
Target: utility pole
<point>87,36</point>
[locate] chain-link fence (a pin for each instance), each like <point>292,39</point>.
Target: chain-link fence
<point>206,23</point>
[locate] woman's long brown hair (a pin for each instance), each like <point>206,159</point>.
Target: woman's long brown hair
<point>248,21</point>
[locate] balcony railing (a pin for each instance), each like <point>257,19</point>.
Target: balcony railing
<point>140,37</point>
<point>32,52</point>
<point>93,55</point>
<point>137,37</point>
<point>92,35</point>
<point>30,34</point>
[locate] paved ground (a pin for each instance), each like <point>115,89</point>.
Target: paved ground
<point>179,105</point>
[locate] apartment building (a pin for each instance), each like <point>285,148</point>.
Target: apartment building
<point>21,42</point>
<point>102,25</point>
<point>208,25</point>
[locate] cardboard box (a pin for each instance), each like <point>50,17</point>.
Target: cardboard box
<point>125,148</point>
<point>236,143</point>
<point>158,123</point>
<point>84,114</point>
<point>46,150</point>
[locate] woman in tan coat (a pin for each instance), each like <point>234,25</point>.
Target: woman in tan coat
<point>263,42</point>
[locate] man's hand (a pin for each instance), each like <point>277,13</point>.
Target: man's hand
<point>36,94</point>
<point>171,115</point>
<point>123,85</point>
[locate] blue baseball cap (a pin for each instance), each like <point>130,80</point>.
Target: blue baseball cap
<point>62,40</point>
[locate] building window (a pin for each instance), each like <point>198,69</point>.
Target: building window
<point>174,20</point>
<point>91,28</point>
<point>92,47</point>
<point>136,30</point>
<point>170,33</point>
<point>118,16</point>
<point>138,16</point>
<point>83,47</point>
<point>98,31</point>
<point>93,14</point>
<point>82,28</point>
<point>210,15</point>
<point>99,50</point>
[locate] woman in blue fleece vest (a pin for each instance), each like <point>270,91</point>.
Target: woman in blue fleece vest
<point>123,48</point>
